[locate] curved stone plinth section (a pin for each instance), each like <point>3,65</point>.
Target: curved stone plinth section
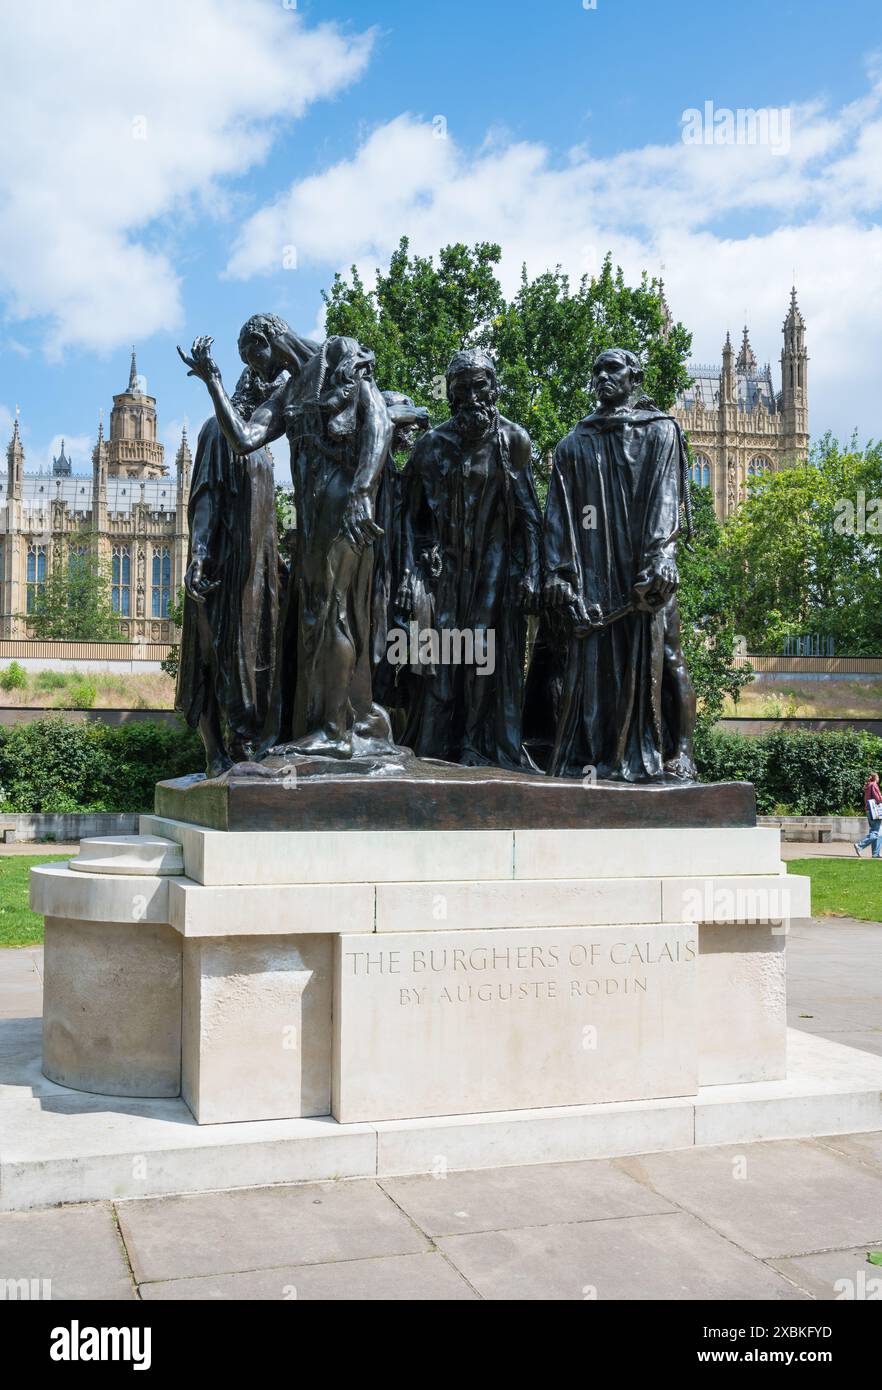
<point>112,1007</point>
<point>112,994</point>
<point>137,855</point>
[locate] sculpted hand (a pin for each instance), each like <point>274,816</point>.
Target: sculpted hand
<point>557,593</point>
<point>656,585</point>
<point>200,361</point>
<point>528,596</point>
<point>358,526</point>
<point>196,586</point>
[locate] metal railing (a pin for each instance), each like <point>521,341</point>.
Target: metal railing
<point>829,665</point>
<point>12,649</point>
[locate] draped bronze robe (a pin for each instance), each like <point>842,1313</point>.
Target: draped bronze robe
<point>611,519</point>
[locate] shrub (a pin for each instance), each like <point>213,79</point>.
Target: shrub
<point>50,680</point>
<point>15,677</point>
<point>800,774</point>
<point>81,692</point>
<point>51,765</point>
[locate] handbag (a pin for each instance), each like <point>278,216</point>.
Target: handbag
<point>874,810</point>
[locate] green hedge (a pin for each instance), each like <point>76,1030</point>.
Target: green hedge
<point>53,766</point>
<point>799,774</point>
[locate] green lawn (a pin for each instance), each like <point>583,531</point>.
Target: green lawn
<point>18,925</point>
<point>843,887</point>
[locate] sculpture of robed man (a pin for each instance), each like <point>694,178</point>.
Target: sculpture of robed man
<point>471,528</point>
<point>609,663</point>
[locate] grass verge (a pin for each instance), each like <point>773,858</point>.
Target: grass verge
<point>843,887</point>
<point>18,925</point>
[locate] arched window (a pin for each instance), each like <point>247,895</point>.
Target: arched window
<point>36,575</point>
<point>700,470</point>
<point>758,467</point>
<point>161,586</point>
<point>121,579</point>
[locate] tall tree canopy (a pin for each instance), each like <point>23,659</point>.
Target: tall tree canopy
<point>544,340</point>
<point>708,620</point>
<point>74,603</point>
<point>804,552</point>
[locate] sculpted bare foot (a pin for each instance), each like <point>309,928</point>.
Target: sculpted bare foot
<point>322,744</point>
<point>218,765</point>
<point>682,767</point>
<point>375,724</point>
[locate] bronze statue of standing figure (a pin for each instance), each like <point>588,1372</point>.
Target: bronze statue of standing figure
<point>229,647</point>
<point>339,431</point>
<point>609,689</point>
<point>470,531</point>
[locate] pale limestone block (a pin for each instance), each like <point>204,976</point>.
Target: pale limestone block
<point>564,854</point>
<point>561,1134</point>
<point>57,892</point>
<point>129,854</point>
<point>220,857</point>
<point>449,1023</point>
<point>408,907</point>
<point>112,1007</point>
<point>271,910</point>
<point>758,898</point>
<point>257,1027</point>
<point>741,1004</point>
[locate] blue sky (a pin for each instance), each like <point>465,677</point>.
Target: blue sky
<point>162,161</point>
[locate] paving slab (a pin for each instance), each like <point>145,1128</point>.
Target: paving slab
<point>20,963</point>
<point>398,1278</point>
<point>232,1232</point>
<point>77,1249</point>
<point>865,1147</point>
<point>772,1199</point>
<point>840,1275</point>
<point>632,1258</point>
<point>505,1198</point>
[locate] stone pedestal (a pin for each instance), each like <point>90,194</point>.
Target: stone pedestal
<point>396,975</point>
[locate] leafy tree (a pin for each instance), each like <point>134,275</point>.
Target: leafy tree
<point>804,552</point>
<point>419,314</point>
<point>544,341</point>
<point>74,603</point>
<point>170,663</point>
<point>706,613</point>
<point>549,335</point>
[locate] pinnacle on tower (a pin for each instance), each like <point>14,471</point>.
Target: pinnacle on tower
<point>15,461</point>
<point>61,466</point>
<point>794,317</point>
<point>134,388</point>
<point>746,357</point>
<point>184,459</point>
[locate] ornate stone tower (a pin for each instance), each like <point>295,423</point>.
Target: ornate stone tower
<point>737,426</point>
<point>794,377</point>
<point>133,449</point>
<point>99,481</point>
<point>14,464</point>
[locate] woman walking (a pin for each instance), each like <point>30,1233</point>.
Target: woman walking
<point>873,808</point>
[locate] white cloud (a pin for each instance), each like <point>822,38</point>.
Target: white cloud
<point>687,207</point>
<point>116,114</point>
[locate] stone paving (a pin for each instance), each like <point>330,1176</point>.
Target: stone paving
<point>788,1220</point>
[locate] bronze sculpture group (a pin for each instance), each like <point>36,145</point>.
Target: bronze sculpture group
<point>404,617</point>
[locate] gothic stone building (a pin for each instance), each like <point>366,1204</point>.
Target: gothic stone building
<point>129,511</point>
<point>737,425</point>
